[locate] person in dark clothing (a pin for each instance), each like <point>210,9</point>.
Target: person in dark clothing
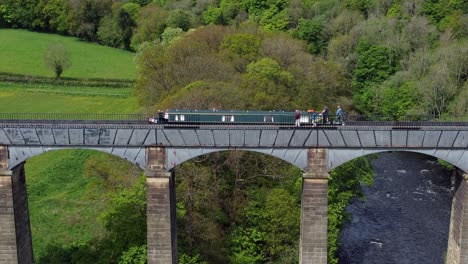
<point>298,118</point>
<point>325,114</point>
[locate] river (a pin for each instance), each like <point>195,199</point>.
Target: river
<point>406,214</point>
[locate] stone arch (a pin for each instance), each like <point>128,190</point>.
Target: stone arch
<point>296,156</point>
<point>17,155</point>
<point>456,157</point>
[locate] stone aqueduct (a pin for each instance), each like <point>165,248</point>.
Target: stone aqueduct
<point>157,149</point>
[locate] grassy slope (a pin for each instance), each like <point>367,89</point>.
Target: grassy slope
<point>22,51</point>
<point>52,99</point>
<point>61,213</point>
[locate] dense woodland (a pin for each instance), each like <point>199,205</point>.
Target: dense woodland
<point>391,57</point>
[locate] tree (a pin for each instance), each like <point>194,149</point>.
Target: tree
<point>179,19</point>
<point>126,22</point>
<point>151,23</point>
<point>241,49</point>
<point>18,13</point>
<point>84,16</point>
<point>135,255</point>
<point>125,221</point>
<point>57,58</point>
<point>374,66</point>
<point>312,32</point>
<point>50,16</point>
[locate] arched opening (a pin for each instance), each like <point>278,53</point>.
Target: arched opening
<point>84,205</point>
<point>405,214</point>
<point>238,207</point>
<point>227,207</point>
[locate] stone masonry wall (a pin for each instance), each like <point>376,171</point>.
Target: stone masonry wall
<point>15,235</point>
<point>316,163</point>
<point>314,221</point>
<point>458,232</point>
<point>8,252</point>
<point>3,158</point>
<point>23,228</point>
<point>160,197</point>
<point>156,159</point>
<point>313,241</point>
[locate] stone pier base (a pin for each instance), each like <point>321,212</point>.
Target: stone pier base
<point>15,230</point>
<point>160,212</point>
<point>313,244</point>
<point>457,248</point>
<point>314,218</point>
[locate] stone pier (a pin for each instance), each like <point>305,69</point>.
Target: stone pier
<point>457,248</point>
<point>313,241</point>
<point>15,230</point>
<point>160,197</point>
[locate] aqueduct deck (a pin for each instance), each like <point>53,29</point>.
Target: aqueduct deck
<point>158,148</point>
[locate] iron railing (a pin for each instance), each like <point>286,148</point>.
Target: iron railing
<point>72,117</point>
<point>236,118</point>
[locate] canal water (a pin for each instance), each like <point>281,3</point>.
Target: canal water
<point>405,216</point>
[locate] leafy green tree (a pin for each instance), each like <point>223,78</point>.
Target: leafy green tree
<point>135,255</point>
<point>171,34</point>
<point>232,12</point>
<point>247,245</point>
<point>214,15</point>
<point>436,10</point>
<point>272,226</point>
<point>187,259</point>
<point>269,69</point>
<point>126,22</point>
<point>283,224</point>
<point>141,2</point>
<point>242,45</point>
<point>312,32</point>
<point>360,5</point>
<point>268,85</point>
<point>151,23</point>
<point>204,95</point>
<point>459,106</point>
<point>399,97</point>
<point>373,67</point>
<point>54,254</point>
<point>84,16</point>
<point>325,83</point>
<point>125,220</point>
<point>241,49</point>
<point>109,33</point>
<point>50,15</point>
<point>265,10</point>
<point>179,19</point>
<point>57,59</point>
<point>316,8</point>
<point>201,229</point>
<point>18,13</point>
<point>275,19</point>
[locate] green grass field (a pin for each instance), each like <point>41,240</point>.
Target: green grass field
<point>60,211</point>
<point>24,98</point>
<point>22,52</point>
